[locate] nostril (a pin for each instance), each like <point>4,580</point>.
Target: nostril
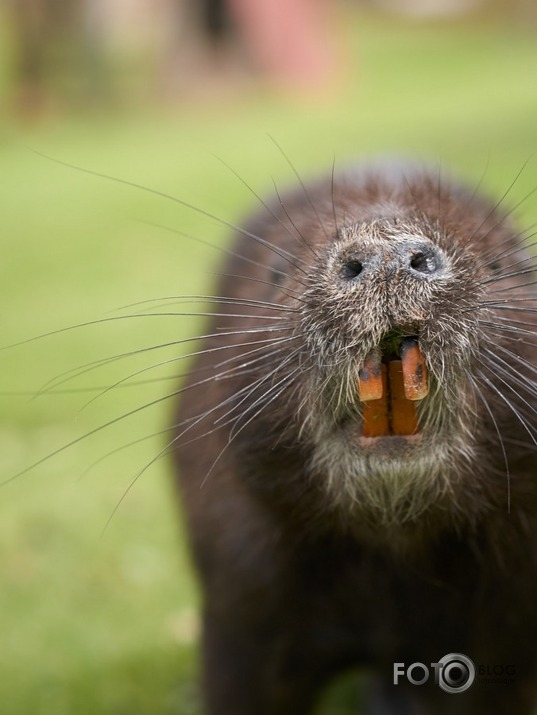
<point>350,269</point>
<point>424,262</point>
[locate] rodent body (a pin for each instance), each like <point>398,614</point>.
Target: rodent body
<point>321,548</point>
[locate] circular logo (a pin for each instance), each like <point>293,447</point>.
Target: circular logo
<point>457,673</point>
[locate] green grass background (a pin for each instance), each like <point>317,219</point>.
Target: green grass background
<point>94,622</point>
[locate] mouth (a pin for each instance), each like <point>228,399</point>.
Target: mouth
<point>393,379</point>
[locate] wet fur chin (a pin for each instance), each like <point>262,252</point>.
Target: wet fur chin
<point>391,489</point>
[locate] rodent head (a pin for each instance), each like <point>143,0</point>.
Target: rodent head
<point>385,364</point>
<point>394,265</point>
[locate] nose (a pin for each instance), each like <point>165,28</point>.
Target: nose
<point>418,258</point>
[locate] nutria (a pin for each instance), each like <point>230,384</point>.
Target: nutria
<point>356,451</point>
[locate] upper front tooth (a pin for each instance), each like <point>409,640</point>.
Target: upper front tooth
<point>370,377</point>
<point>415,373</point>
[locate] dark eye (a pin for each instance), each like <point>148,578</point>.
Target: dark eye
<point>495,266</point>
<point>350,269</point>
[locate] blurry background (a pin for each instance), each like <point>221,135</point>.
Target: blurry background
<point>170,94</point>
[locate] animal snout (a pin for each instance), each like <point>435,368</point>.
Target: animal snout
<point>418,258</point>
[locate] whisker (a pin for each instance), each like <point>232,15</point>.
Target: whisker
<point>88,434</point>
<point>492,256</point>
<point>122,448</point>
<point>76,326</point>
<point>506,302</point>
<point>219,300</point>
<point>518,340</point>
<point>298,236</point>
<point>302,184</point>
<point>264,378</point>
<point>513,322</point>
<point>237,427</point>
<point>504,276</point>
<point>94,388</point>
<point>286,290</point>
<point>517,287</point>
<point>163,452</point>
<point>499,369</point>
<point>256,414</point>
<point>509,213</point>
<point>226,251</point>
<point>500,438</point>
<point>500,201</point>
<point>292,222</point>
<point>160,364</point>
<point>89,367</point>
<point>513,409</point>
<point>513,308</point>
<point>513,355</point>
<point>519,239</point>
<point>507,328</point>
<point>181,202</point>
<point>478,186</point>
<point>332,189</point>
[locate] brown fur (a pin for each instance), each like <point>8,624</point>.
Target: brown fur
<point>316,551</point>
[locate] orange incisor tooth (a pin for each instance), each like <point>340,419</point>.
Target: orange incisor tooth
<point>415,374</point>
<point>370,384</point>
<point>375,413</point>
<point>403,411</point>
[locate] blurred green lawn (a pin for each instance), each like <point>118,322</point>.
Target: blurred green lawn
<point>94,622</point>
